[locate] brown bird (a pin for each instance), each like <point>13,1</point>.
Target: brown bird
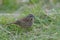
<point>25,22</point>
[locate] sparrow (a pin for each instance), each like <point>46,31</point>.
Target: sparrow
<point>25,22</point>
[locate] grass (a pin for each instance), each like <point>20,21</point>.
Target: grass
<point>45,27</point>
<point>9,6</point>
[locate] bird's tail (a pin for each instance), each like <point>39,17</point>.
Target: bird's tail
<point>9,23</point>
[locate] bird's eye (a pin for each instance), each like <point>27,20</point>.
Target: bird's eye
<point>31,19</point>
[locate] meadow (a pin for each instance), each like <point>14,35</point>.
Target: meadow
<point>46,25</point>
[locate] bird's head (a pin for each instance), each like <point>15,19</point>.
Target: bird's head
<point>30,17</point>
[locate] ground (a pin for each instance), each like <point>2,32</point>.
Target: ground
<point>45,27</point>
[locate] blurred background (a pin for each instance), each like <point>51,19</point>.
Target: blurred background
<point>13,5</point>
<point>46,23</point>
